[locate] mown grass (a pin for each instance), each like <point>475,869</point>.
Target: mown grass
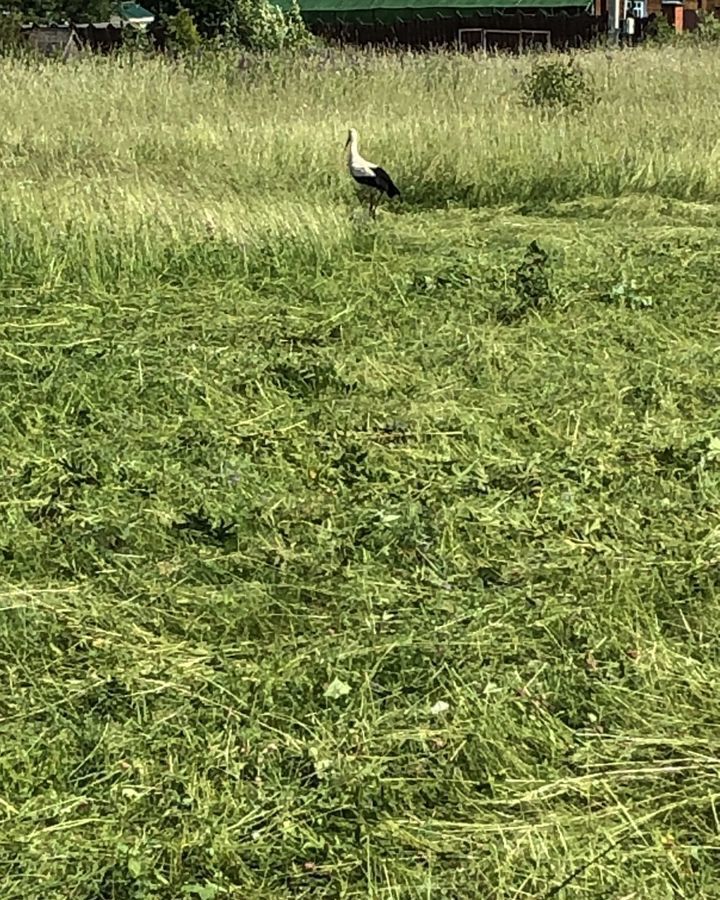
<point>337,561</point>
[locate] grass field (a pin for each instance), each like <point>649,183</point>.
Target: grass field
<point>338,559</point>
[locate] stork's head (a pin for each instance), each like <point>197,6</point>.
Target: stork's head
<point>352,137</point>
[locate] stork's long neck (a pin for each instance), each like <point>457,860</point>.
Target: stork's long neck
<point>353,152</point>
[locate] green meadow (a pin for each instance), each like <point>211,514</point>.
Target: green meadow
<point>353,558</point>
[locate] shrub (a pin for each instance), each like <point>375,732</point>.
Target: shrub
<point>708,29</point>
<point>261,25</point>
<point>10,32</point>
<point>660,32</point>
<point>135,43</point>
<point>554,84</point>
<point>184,36</point>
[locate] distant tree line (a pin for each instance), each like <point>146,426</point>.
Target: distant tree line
<point>210,16</point>
<point>60,10</point>
<point>254,24</point>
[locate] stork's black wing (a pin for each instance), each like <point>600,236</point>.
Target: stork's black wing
<point>385,183</point>
<point>368,181</point>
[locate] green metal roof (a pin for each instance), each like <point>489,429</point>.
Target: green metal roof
<point>133,11</point>
<point>389,11</point>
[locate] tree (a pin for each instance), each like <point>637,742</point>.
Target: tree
<point>89,10</point>
<point>261,25</point>
<point>184,36</point>
<point>251,18</point>
<point>61,10</point>
<point>10,31</point>
<point>209,16</point>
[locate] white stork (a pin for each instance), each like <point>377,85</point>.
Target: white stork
<point>368,174</point>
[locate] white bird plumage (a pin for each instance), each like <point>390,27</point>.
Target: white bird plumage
<point>368,174</point>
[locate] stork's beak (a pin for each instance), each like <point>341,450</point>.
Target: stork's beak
<point>347,142</point>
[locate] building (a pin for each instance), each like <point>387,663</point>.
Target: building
<point>681,14</point>
<point>68,39</point>
<point>100,37</point>
<point>490,25</point>
<point>52,40</point>
<point>132,14</point>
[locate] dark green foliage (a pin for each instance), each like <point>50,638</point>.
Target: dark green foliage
<point>708,29</point>
<point>136,43</point>
<point>261,25</point>
<point>555,84</point>
<point>208,14</point>
<point>532,284</point>
<point>61,10</point>
<point>183,33</point>
<point>660,32</point>
<point>258,24</point>
<point>10,32</point>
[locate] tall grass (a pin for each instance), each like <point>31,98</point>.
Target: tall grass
<point>246,142</point>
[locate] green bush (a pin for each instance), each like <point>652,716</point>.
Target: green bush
<point>261,25</point>
<point>555,84</point>
<point>184,36</point>
<point>10,32</point>
<point>135,43</point>
<point>660,32</point>
<point>708,29</point>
